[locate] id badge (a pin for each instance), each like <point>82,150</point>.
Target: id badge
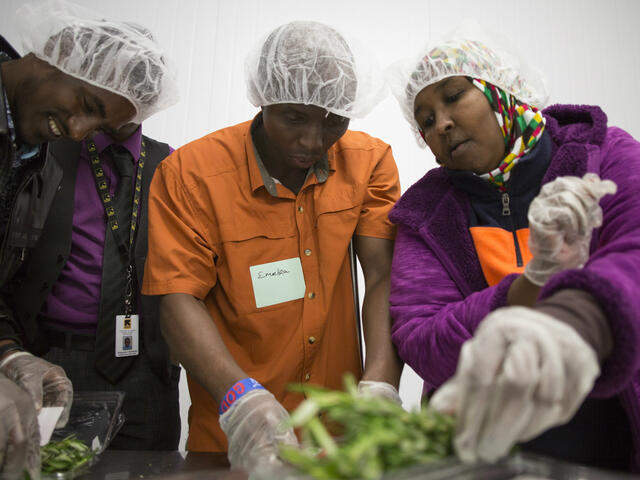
<point>127,335</point>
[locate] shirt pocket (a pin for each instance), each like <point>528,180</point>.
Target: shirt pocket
<point>249,241</point>
<point>338,212</point>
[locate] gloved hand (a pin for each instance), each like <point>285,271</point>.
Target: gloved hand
<point>253,426</point>
<point>47,383</point>
<point>19,433</point>
<point>379,389</point>
<point>522,373</point>
<point>561,220</point>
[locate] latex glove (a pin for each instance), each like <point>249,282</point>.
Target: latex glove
<point>19,433</point>
<point>561,220</point>
<point>522,373</point>
<point>253,426</point>
<point>379,389</point>
<point>47,383</point>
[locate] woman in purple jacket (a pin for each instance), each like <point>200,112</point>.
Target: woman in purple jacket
<point>513,283</point>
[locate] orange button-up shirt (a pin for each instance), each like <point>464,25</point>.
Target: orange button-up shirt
<point>212,217</point>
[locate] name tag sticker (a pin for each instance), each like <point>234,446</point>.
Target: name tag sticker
<point>277,282</point>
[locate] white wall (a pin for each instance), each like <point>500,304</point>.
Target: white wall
<point>586,48</point>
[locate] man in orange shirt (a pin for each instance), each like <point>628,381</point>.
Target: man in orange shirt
<point>248,242</point>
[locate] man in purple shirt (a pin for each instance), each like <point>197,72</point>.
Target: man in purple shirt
<point>82,75</point>
<point>74,283</point>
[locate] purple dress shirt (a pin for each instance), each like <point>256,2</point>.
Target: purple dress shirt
<point>74,301</point>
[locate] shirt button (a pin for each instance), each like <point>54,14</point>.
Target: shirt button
<point>307,377</point>
<point>312,340</point>
<point>311,295</point>
<point>307,252</point>
<point>300,209</point>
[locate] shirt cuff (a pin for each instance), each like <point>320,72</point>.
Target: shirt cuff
<point>580,310</point>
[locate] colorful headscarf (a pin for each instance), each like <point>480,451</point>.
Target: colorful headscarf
<point>486,58</point>
<point>521,126</point>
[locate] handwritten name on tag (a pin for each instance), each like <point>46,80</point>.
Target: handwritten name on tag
<point>277,282</point>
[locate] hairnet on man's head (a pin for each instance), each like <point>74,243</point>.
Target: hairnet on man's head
<point>312,64</point>
<point>121,57</point>
<point>471,52</point>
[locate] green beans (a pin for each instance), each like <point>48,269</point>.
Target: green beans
<point>64,455</point>
<point>376,435</point>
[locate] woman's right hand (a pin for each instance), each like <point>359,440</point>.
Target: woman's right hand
<point>561,220</point>
<point>521,373</point>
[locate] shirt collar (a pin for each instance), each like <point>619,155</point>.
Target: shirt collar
<point>132,144</point>
<point>259,175</point>
<point>23,152</point>
<point>10,125</point>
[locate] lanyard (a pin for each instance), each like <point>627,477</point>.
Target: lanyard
<point>126,248</point>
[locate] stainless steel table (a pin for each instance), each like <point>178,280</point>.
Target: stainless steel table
<point>128,464</point>
<point>516,467</point>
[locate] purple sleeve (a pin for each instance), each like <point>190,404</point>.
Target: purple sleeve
<point>612,273</point>
<point>432,318</point>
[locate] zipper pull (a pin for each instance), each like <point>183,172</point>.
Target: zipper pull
<point>506,211</point>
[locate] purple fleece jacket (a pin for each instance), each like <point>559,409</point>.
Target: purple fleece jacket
<point>438,291</point>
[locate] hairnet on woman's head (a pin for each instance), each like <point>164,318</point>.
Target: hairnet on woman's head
<point>312,64</point>
<point>121,57</point>
<point>470,52</point>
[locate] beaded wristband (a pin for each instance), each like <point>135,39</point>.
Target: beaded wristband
<point>238,390</point>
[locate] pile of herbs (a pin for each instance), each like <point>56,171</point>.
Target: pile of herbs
<point>64,455</point>
<point>376,435</point>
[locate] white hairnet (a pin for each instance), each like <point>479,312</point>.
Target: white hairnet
<point>121,57</point>
<point>312,64</point>
<point>466,51</point>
